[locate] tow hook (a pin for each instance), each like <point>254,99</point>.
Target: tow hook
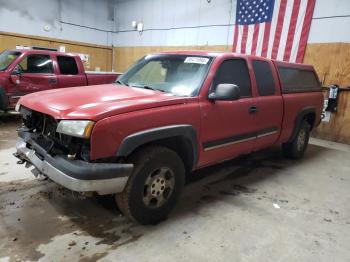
<point>21,161</point>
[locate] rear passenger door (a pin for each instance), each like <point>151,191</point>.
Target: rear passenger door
<point>269,104</point>
<point>69,75</point>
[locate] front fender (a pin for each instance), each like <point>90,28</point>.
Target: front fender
<point>131,142</point>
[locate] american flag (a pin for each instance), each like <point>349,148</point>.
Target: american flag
<point>276,29</point>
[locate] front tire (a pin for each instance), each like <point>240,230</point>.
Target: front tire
<point>154,185</point>
<point>296,148</point>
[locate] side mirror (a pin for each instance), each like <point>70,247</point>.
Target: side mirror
<point>226,92</point>
<point>16,71</point>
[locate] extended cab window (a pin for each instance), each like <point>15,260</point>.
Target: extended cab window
<point>264,78</point>
<point>296,80</point>
<point>67,65</point>
<point>36,64</point>
<point>234,71</point>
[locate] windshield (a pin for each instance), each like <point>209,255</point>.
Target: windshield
<point>6,58</point>
<point>179,75</point>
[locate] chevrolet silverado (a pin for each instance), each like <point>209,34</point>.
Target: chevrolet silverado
<point>169,114</point>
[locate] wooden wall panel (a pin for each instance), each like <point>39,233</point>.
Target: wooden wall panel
<point>100,56</point>
<point>126,56</point>
<point>332,63</point>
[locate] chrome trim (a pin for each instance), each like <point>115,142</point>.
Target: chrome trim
<point>242,140</point>
<point>102,186</point>
<point>267,134</point>
<point>230,143</point>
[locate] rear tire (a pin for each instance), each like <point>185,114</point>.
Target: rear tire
<point>295,149</point>
<point>154,185</point>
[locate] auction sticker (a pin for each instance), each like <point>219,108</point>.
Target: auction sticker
<point>196,60</point>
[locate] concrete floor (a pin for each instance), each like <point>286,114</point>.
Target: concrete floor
<point>256,208</point>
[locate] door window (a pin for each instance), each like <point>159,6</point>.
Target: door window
<point>67,65</point>
<point>264,78</point>
<point>234,71</point>
<point>36,64</point>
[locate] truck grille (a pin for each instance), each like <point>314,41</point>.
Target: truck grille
<point>39,122</point>
<point>55,143</point>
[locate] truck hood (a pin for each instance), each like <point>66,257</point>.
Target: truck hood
<point>96,102</point>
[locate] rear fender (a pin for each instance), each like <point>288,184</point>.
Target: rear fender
<point>303,113</point>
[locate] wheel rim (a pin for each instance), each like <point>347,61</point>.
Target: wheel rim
<point>301,140</point>
<point>158,187</point>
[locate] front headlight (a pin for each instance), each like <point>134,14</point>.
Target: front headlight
<point>77,128</point>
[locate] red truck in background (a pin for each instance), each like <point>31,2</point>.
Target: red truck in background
<point>27,71</point>
<point>169,114</point>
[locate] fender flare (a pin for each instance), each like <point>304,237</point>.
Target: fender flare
<point>300,116</point>
<point>4,102</point>
<point>133,141</point>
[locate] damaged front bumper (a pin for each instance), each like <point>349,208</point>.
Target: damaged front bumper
<point>76,175</point>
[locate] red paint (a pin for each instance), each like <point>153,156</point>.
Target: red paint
<point>120,111</point>
<point>34,82</point>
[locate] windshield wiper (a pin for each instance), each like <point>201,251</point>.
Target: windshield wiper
<point>121,83</point>
<point>149,88</point>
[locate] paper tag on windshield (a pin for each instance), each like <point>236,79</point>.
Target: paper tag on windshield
<point>196,60</point>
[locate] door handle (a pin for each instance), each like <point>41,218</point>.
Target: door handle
<point>253,109</point>
<point>52,80</point>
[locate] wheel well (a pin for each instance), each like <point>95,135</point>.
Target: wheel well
<point>310,118</point>
<point>181,145</point>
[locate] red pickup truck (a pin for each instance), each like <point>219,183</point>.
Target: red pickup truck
<point>169,114</point>
<point>27,71</point>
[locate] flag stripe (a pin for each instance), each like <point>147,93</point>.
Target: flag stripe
<point>255,38</point>
<point>298,30</point>
<point>291,31</point>
<point>235,38</point>
<point>266,39</point>
<point>239,40</point>
<point>260,39</point>
<point>250,39</point>
<point>273,28</point>
<point>279,27</point>
<point>305,30</point>
<point>286,26</point>
<point>244,39</point>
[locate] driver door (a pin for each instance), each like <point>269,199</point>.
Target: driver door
<point>36,74</point>
<point>228,127</point>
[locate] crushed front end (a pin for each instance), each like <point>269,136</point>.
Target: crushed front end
<point>65,158</point>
